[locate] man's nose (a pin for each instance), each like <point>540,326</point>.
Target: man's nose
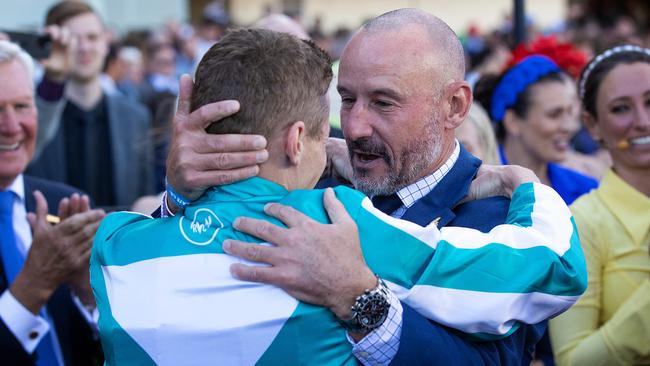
<point>9,123</point>
<point>83,44</point>
<point>356,124</point>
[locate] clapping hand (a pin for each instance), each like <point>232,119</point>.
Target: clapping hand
<point>59,253</point>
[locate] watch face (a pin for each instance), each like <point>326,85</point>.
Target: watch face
<point>374,311</point>
<point>370,310</point>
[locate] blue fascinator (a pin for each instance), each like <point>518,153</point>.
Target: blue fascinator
<point>516,80</point>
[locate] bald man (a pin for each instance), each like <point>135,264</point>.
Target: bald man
<point>283,24</point>
<point>403,95</point>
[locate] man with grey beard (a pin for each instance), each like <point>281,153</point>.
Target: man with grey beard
<point>403,95</point>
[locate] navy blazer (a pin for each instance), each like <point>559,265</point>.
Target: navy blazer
<point>426,343</point>
<point>79,345</point>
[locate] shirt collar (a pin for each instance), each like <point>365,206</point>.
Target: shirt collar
<point>248,188</point>
<point>629,206</point>
<point>18,187</point>
<point>413,192</point>
<point>257,186</point>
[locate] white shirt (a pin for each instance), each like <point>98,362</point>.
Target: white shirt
<point>28,328</point>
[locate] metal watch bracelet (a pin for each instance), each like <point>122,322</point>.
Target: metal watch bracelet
<point>369,310</point>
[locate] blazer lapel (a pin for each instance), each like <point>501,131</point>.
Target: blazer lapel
<point>30,202</point>
<point>119,148</point>
<point>439,203</point>
<point>51,163</point>
<point>427,209</point>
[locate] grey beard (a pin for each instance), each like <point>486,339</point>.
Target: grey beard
<point>422,154</point>
<point>375,187</point>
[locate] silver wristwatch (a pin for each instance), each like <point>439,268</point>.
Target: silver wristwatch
<point>369,310</point>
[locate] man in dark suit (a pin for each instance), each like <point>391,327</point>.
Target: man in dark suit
<point>399,112</point>
<point>95,141</point>
<point>44,287</point>
<point>421,341</point>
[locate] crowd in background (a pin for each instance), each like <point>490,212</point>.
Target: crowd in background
<point>145,65</point>
<point>143,68</point>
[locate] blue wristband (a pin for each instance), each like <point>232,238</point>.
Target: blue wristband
<point>176,197</point>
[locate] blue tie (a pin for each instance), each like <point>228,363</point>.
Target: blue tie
<point>387,204</point>
<point>13,260</point>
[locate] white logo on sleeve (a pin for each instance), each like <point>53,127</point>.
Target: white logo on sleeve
<point>202,229</point>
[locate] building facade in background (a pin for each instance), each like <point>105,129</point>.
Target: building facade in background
<point>124,15</point>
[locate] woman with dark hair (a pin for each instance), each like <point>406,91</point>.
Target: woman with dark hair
<point>534,113</point>
<point>610,324</point>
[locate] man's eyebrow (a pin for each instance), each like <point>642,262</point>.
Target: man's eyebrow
<point>379,91</point>
<point>387,92</point>
<point>23,98</point>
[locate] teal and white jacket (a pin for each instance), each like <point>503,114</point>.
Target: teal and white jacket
<point>165,294</point>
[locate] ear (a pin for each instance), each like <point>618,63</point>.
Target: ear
<point>459,99</point>
<point>591,125</point>
<point>512,123</point>
<point>294,142</point>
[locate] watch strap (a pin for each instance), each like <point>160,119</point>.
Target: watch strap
<point>369,310</point>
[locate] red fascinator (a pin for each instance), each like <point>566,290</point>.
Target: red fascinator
<point>568,57</point>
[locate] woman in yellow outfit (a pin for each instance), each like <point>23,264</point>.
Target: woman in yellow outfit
<point>610,324</point>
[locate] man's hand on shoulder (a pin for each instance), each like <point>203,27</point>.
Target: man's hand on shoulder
<point>198,160</point>
<point>499,180</point>
<point>338,160</point>
<point>321,264</point>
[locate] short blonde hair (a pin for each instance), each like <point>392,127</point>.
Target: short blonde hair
<point>10,51</point>
<point>479,118</point>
